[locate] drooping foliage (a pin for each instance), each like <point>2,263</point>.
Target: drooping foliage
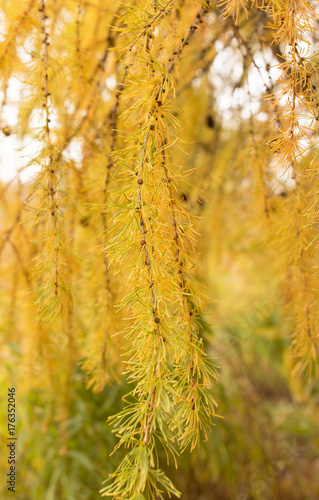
<point>167,156</point>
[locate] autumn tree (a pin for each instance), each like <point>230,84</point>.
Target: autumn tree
<point>167,158</point>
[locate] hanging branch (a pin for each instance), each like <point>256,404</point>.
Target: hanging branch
<point>292,23</point>
<point>50,263</point>
<point>160,340</point>
<point>100,358</point>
